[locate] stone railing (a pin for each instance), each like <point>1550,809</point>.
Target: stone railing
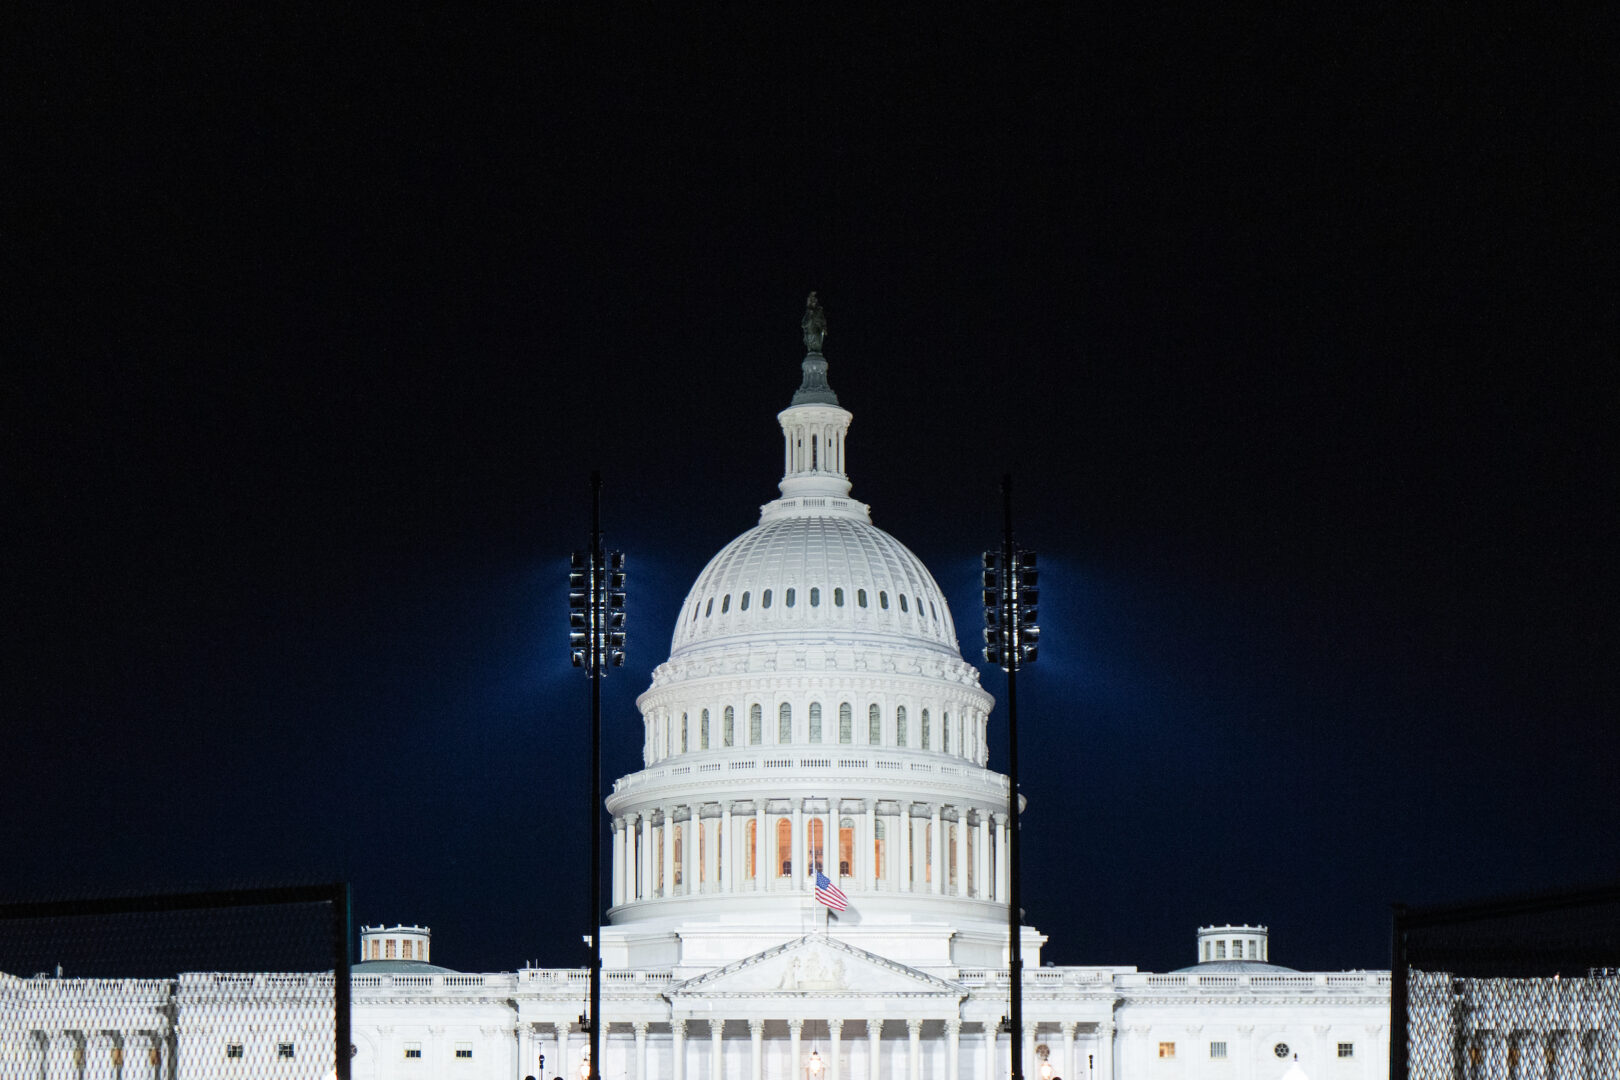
<point>1189,984</point>
<point>833,763</point>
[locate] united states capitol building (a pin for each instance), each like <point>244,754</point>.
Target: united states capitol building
<point>815,714</point>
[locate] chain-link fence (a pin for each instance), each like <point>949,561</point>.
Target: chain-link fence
<point>248,985</point>
<point>1525,989</point>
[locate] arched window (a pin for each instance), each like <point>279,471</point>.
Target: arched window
<point>784,847</point>
<point>903,602</point>
<point>815,596</point>
<point>745,602</point>
<point>683,733</point>
<point>765,601</point>
<point>754,725</point>
<point>789,598</point>
<point>874,726</point>
<point>703,731</point>
<point>846,723</point>
<point>879,842</point>
<point>926,732</point>
<point>752,869</point>
<point>725,603</point>
<point>815,721</point>
<point>784,724</point>
<point>679,861</point>
<point>900,726</point>
<point>838,597</point>
<point>860,597</point>
<point>730,726</point>
<point>945,733</point>
<point>928,852</point>
<point>846,846</point>
<point>883,599</point>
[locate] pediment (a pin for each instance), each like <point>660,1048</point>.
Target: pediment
<point>820,966</point>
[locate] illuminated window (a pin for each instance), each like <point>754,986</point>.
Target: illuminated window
<point>754,725</point>
<point>1217,1050</point>
<point>784,724</point>
<point>765,601</point>
<point>846,846</point>
<point>879,836</point>
<point>680,859</point>
<point>1347,1050</point>
<point>815,721</point>
<point>784,846</point>
<point>406,946</point>
<point>1167,1049</point>
<point>925,729</point>
<point>900,726</point>
<point>846,723</point>
<point>874,726</point>
<point>154,1056</point>
<point>730,725</point>
<point>703,731</point>
<point>413,1050</point>
<point>391,949</point>
<point>284,1051</point>
<point>815,596</point>
<point>232,1050</point>
<point>791,596</point>
<point>928,851</point>
<point>463,1050</point>
<point>860,597</point>
<point>838,597</point>
<point>753,848</point>
<point>745,602</point>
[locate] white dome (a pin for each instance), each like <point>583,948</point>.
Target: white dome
<point>815,579</point>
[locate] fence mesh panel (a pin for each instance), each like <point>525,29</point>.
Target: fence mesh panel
<point>208,986</point>
<point>1524,990</point>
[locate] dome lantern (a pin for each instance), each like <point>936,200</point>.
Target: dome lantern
<point>814,431</point>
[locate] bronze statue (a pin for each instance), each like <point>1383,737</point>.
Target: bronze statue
<point>814,324</point>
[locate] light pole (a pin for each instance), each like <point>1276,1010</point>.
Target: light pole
<point>1011,637</point>
<point>596,641</point>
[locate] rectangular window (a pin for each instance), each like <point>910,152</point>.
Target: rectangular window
<point>464,1050</point>
<point>1217,1050</point>
<point>284,1051</point>
<point>392,945</point>
<point>1347,1049</point>
<point>233,1049</point>
<point>413,1050</point>
<point>1220,950</point>
<point>1167,1050</point>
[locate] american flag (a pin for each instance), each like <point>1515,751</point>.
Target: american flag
<point>830,894</point>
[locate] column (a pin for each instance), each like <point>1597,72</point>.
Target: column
<point>981,859</point>
<point>874,1046</point>
<point>761,863</point>
<point>953,1049</point>
<point>904,871</point>
<point>717,1031</point>
<point>835,1030</point>
<point>689,846</point>
<point>1105,1050</point>
<point>914,1030</point>
<point>640,1027</point>
<point>1003,877</point>
<point>667,878</point>
<point>936,865</point>
<point>756,1036</point>
<point>1195,1059</point>
<point>795,1065</point>
<point>1068,1063</point>
<point>796,846</point>
<point>961,851</point>
<point>528,1056</point>
<point>563,1039</point>
<point>677,1030</point>
<point>644,887</point>
<point>869,849</point>
<point>618,861</point>
<point>1324,1051</point>
<point>1027,1054</point>
<point>726,848</point>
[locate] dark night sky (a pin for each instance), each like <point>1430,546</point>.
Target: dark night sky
<point>1297,330</point>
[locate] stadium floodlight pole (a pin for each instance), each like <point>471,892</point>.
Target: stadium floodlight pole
<point>1011,639</point>
<point>596,641</point>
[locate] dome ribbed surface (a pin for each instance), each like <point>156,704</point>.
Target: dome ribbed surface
<point>814,578</point>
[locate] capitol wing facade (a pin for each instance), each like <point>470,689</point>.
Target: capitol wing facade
<point>815,717</point>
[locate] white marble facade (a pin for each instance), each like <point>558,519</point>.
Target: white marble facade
<point>815,713</point>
